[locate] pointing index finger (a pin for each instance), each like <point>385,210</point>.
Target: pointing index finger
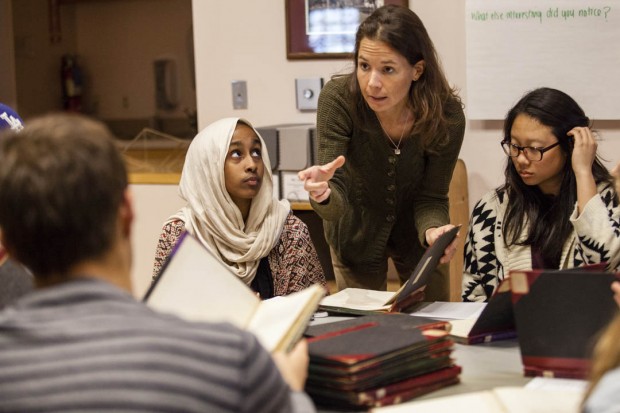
<point>333,165</point>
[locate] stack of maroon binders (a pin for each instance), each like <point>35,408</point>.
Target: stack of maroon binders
<point>378,360</point>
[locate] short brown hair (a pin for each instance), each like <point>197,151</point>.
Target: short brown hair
<point>62,182</point>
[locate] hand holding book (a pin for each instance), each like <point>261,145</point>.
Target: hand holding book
<point>195,285</point>
<point>363,301</point>
<point>433,234</point>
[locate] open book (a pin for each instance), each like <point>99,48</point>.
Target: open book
<point>363,301</point>
<point>495,322</point>
<point>498,400</point>
<point>196,286</point>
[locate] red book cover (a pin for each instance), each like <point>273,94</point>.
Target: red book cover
<point>388,394</point>
<point>403,321</point>
<point>369,341</point>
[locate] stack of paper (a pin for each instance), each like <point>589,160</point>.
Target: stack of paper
<point>378,360</point>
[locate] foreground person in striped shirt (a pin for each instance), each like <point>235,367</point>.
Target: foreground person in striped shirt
<point>80,342</point>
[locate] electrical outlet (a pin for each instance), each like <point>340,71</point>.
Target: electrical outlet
<point>307,91</point>
<point>239,94</point>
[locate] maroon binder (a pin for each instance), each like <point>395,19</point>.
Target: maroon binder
<point>559,315</point>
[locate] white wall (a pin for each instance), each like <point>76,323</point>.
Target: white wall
<point>153,204</point>
<point>245,40</point>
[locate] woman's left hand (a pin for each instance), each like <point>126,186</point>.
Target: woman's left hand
<point>433,233</point>
<point>584,150</point>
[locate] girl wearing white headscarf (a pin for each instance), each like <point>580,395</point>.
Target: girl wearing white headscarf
<point>267,246</point>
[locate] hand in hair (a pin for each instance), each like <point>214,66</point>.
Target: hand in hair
<point>616,174</point>
<point>583,156</point>
<point>584,150</point>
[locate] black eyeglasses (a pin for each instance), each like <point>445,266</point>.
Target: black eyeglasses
<point>531,153</point>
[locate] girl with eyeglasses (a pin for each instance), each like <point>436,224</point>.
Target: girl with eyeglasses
<point>558,207</point>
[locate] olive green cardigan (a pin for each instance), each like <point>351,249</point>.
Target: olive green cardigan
<point>378,197</point>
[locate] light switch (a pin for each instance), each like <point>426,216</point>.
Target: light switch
<point>307,92</point>
<point>239,94</point>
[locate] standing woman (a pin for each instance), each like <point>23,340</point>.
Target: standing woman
<point>558,207</point>
<point>227,184</point>
<point>400,127</point>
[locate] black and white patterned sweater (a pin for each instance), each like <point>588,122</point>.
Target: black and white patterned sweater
<point>595,238</point>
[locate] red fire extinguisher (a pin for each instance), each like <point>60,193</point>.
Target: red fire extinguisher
<point>71,75</point>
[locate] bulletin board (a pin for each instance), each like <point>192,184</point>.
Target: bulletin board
<point>514,46</point>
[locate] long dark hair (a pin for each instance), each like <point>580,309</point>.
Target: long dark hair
<point>547,218</point>
<point>430,97</point>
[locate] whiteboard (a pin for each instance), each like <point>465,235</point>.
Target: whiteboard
<point>514,46</point>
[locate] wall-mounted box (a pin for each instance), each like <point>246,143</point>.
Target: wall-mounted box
<point>240,94</point>
<point>295,147</point>
<point>307,92</point>
<point>274,135</point>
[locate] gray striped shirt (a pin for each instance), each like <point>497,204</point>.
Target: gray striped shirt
<point>87,346</point>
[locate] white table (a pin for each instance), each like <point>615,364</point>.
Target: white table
<point>485,366</point>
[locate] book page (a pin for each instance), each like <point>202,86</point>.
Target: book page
<point>461,328</point>
<point>522,400</point>
<point>359,299</point>
<point>451,310</point>
<point>476,402</point>
<point>280,321</point>
<point>196,286</point>
<point>548,383</point>
<point>498,400</point>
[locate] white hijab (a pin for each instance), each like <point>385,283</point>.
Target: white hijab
<point>213,217</point>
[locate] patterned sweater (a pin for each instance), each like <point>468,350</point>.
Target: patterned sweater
<point>294,262</point>
<point>378,197</point>
<point>595,238</point>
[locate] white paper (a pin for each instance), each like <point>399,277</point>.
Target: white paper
<point>451,310</point>
<point>547,383</point>
<point>498,400</point>
<point>513,46</point>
